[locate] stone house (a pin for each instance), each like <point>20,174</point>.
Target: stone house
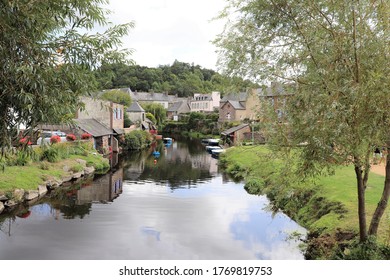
<point>103,120</point>
<point>176,109</point>
<point>238,107</point>
<point>135,112</point>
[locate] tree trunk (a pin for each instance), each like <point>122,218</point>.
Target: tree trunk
<point>361,203</point>
<point>382,204</point>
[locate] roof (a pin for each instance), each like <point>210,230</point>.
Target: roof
<point>234,129</point>
<point>236,105</point>
<point>119,131</point>
<point>93,127</point>
<point>149,96</point>
<point>135,107</point>
<point>242,96</point>
<point>175,106</point>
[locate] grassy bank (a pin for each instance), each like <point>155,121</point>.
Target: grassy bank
<point>326,206</point>
<point>28,169</point>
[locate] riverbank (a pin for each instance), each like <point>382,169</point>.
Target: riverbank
<point>45,169</point>
<point>327,206</point>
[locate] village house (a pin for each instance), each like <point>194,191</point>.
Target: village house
<point>150,97</point>
<point>136,113</point>
<point>178,108</point>
<point>205,102</point>
<point>239,107</point>
<point>103,120</point>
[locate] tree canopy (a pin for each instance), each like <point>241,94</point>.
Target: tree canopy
<point>335,58</point>
<point>180,78</point>
<point>47,52</point>
<point>117,96</point>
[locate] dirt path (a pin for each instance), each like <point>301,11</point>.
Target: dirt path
<point>378,169</point>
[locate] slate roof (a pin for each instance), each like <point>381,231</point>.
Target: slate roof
<point>135,107</point>
<point>234,129</point>
<point>93,127</point>
<point>149,96</point>
<point>236,105</point>
<point>176,106</point>
<point>242,96</point>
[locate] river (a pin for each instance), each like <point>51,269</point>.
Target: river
<point>177,206</point>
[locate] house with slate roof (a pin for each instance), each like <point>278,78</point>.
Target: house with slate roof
<point>239,106</point>
<point>150,97</point>
<point>135,112</point>
<point>103,120</point>
<point>176,109</point>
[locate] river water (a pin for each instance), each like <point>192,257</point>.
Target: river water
<point>177,206</point>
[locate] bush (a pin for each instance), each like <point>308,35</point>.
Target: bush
<point>50,154</point>
<point>137,140</point>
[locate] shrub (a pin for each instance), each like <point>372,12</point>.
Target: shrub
<point>70,137</point>
<point>86,136</point>
<point>55,139</point>
<point>50,154</point>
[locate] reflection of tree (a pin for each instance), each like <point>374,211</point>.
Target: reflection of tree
<point>65,200</point>
<point>176,165</point>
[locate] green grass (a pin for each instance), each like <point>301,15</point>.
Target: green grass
<point>28,177</point>
<point>324,205</point>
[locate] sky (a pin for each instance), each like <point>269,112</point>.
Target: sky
<point>166,30</point>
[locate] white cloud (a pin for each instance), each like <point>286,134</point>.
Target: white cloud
<point>170,29</point>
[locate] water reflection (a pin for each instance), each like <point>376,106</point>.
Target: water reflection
<point>177,206</point>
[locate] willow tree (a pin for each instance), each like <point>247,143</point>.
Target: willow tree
<point>336,55</point>
<point>47,52</point>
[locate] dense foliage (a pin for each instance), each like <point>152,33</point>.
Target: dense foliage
<point>180,78</point>
<point>137,140</point>
<point>336,57</point>
<point>47,52</point>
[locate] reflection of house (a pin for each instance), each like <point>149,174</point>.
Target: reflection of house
<point>150,97</point>
<point>236,134</point>
<point>136,113</point>
<point>176,109</point>
<point>205,102</point>
<point>104,189</point>
<point>238,107</point>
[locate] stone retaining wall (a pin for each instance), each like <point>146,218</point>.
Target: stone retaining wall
<point>19,195</point>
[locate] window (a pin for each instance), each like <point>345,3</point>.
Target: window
<point>228,116</point>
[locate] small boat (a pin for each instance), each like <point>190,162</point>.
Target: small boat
<point>213,142</point>
<point>217,152</point>
<point>167,140</point>
<point>156,154</point>
<point>211,148</point>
